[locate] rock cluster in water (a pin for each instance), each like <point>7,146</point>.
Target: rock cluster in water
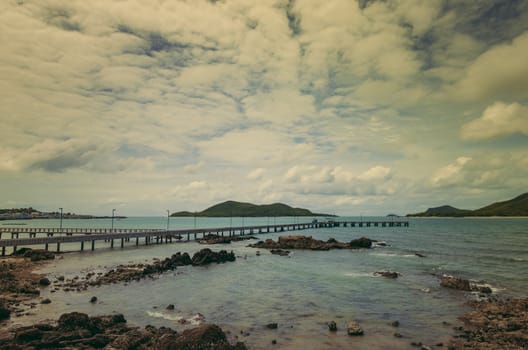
<point>463,284</point>
<point>79,331</point>
<point>307,242</point>
<point>217,239</point>
<point>34,254</point>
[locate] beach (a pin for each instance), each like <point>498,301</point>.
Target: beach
<point>303,291</point>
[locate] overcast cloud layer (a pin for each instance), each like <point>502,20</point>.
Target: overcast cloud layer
<point>350,107</point>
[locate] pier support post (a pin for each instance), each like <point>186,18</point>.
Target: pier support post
<point>3,251</point>
<point>93,245</point>
<point>46,246</point>
<point>82,246</point>
<point>137,241</point>
<point>122,242</point>
<point>58,247</point>
<point>112,243</point>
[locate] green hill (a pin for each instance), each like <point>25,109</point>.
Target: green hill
<point>517,206</point>
<point>238,209</point>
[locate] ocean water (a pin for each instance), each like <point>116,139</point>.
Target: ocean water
<point>305,290</point>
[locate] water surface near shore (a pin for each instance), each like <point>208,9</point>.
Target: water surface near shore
<point>303,291</point>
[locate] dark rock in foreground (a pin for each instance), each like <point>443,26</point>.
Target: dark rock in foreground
<point>77,330</point>
<point>35,254</point>
<point>387,274</point>
<point>304,242</point>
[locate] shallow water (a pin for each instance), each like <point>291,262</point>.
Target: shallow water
<point>303,291</point>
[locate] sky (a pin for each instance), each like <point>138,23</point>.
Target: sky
<point>364,107</point>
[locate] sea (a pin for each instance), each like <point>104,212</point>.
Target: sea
<point>305,290</point>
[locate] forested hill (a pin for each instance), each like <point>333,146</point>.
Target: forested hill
<point>238,209</point>
<point>517,206</point>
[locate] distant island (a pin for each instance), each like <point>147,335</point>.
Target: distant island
<point>30,213</point>
<point>240,209</point>
<point>517,206</point>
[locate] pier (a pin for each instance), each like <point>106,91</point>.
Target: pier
<point>88,237</point>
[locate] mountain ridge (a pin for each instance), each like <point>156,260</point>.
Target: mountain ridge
<point>234,208</point>
<point>517,206</point>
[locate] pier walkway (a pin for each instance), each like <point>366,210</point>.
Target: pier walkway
<point>55,236</point>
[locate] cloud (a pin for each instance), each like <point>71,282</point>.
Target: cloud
<point>450,174</point>
<point>256,174</point>
<point>498,120</point>
<point>500,72</point>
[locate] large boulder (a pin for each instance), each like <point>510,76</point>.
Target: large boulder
<point>5,313</point>
<point>74,320</point>
<point>455,283</point>
<point>206,336</point>
<point>362,242</point>
<point>207,256</point>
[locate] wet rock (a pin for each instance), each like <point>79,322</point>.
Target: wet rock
<point>132,339</point>
<point>272,325</point>
<point>280,252</point>
<point>207,336</point>
<point>332,326</point>
<point>5,313</point>
<point>395,324</point>
<point>28,334</point>
<point>74,320</point>
<point>207,256</point>
<point>397,335</point>
<point>46,301</point>
<point>362,242</point>
<point>387,274</point>
<point>354,329</point>
<point>307,242</point>
<point>170,307</point>
<point>419,255</point>
<point>455,283</point>
<point>485,290</point>
<point>44,282</point>
<point>38,254</point>
<point>93,299</point>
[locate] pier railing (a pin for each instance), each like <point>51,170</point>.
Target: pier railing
<point>149,236</point>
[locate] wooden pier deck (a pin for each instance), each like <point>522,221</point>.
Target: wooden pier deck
<point>57,237</point>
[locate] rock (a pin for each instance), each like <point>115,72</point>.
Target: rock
<point>28,334</point>
<point>395,324</point>
<point>485,290</point>
<point>74,320</point>
<point>44,282</point>
<point>206,336</point>
<point>274,341</point>
<point>170,307</point>
<point>280,252</point>
<point>419,255</point>
<point>38,254</point>
<point>101,323</point>
<point>387,274</point>
<point>46,301</point>
<point>5,313</point>
<point>332,326</point>
<point>93,299</point>
<point>272,325</point>
<point>397,335</point>
<point>354,329</point>
<point>131,340</point>
<point>362,242</point>
<point>207,256</point>
<point>455,283</point>
<point>307,242</point>
<point>60,278</point>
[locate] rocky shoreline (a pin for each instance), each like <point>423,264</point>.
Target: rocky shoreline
<point>79,331</point>
<point>492,323</point>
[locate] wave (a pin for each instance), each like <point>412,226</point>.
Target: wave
<point>396,255</point>
<point>194,320</point>
<point>358,274</point>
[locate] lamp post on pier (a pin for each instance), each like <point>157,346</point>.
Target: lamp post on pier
<point>60,225</point>
<point>168,219</point>
<point>113,211</point>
